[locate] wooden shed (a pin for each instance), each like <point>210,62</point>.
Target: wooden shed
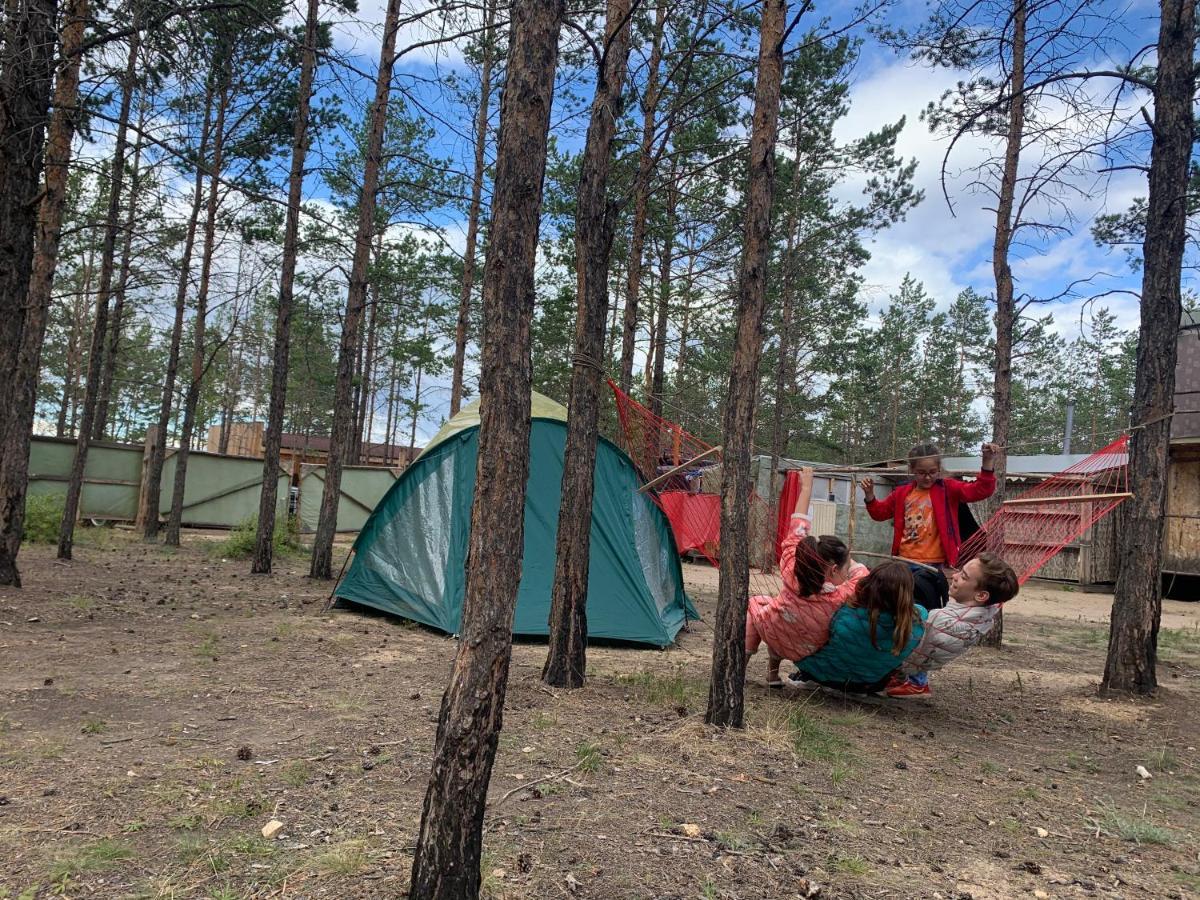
<point>1181,550</point>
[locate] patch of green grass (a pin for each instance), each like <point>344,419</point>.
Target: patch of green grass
<point>1138,830</point>
<point>80,603</point>
<point>241,541</point>
<point>663,690</point>
<point>1082,763</point>
<point>133,827</point>
<point>284,630</point>
<point>1162,760</point>
<point>732,839</point>
<point>94,726</point>
<point>297,774</point>
<point>97,856</point>
<point>189,822</point>
<point>840,772</point>
<point>29,893</point>
<point>1029,792</point>
<point>349,858</point>
<point>849,864</point>
<point>224,892</point>
<point>1184,641</point>
<point>250,845</point>
<point>1083,637</point>
<point>987,767</point>
<point>190,848</point>
<point>491,885</point>
<point>208,645</point>
<point>708,888</point>
<point>238,807</point>
<point>541,721</point>
<point>588,755</point>
<point>43,518</point>
<point>1188,880</point>
<point>813,740</point>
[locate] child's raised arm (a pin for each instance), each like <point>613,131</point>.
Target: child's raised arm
<point>879,510</point>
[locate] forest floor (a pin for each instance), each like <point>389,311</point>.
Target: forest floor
<point>136,681</point>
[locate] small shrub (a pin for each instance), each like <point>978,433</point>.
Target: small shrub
<point>588,755</point>
<point>849,864</point>
<point>89,858</point>
<point>240,543</point>
<point>1138,830</point>
<point>43,517</point>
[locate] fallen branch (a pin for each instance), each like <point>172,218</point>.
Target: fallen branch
<point>523,787</point>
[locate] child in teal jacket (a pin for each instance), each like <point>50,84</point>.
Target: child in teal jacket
<point>871,635</point>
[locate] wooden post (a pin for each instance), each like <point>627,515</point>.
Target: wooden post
<point>143,510</point>
<point>853,510</point>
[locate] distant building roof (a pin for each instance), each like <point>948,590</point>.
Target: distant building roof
<point>1038,464</point>
<point>1190,318</point>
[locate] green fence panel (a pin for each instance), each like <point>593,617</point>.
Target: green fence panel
<point>362,488</point>
<point>220,491</point>
<point>111,480</point>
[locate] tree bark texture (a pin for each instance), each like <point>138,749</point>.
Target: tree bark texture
<point>277,405</point>
<point>158,451</point>
<point>664,298</point>
<point>1137,603</point>
<point>468,283</point>
<point>450,842</point>
<point>566,662</point>
<point>356,295</point>
<point>17,425</point>
<point>726,700</point>
<point>108,251</point>
<point>1006,310</point>
<point>26,70</point>
<point>192,398</point>
<point>641,199</point>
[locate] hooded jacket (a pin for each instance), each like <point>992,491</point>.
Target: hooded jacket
<point>945,495</point>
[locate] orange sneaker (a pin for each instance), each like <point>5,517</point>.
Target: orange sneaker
<point>908,689</point>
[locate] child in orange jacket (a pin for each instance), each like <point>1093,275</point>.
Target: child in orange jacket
<point>925,510</point>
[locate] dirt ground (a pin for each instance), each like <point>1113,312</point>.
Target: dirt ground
<point>158,708</point>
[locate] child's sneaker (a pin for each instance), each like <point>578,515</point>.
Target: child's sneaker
<point>908,689</point>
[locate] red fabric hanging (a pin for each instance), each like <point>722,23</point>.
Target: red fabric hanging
<point>695,520</point>
<point>787,503</point>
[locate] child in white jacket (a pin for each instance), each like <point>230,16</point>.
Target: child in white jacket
<point>977,592</point>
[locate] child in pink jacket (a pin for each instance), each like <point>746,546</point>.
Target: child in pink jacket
<point>818,577</point>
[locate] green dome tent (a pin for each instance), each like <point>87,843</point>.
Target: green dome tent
<point>409,557</point>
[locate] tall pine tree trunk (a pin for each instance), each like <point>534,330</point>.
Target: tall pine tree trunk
<point>449,847</point>
<point>343,412</point>
<point>473,213</point>
<point>158,450</point>
<point>726,700</point>
<point>366,400</point>
<point>1006,310</point>
<point>264,539</point>
<point>27,52</point>
<point>108,250</point>
<point>566,663</point>
<point>15,429</point>
<point>1137,604</point>
<point>192,398</point>
<point>641,199</point>
<point>664,298</point>
<point>116,322</point>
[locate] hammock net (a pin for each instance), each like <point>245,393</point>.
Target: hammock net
<point>1030,528</point>
<point>684,475</point>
